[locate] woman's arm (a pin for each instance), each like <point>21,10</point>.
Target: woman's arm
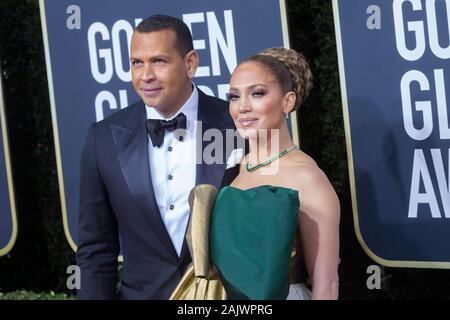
<point>319,229</point>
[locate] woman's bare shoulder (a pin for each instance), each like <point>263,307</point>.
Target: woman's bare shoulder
<point>313,184</point>
<point>304,168</point>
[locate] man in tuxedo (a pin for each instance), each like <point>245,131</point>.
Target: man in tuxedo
<point>138,167</point>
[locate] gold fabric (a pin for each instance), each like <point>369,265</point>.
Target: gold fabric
<point>201,280</point>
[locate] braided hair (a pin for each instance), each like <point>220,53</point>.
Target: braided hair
<point>291,70</point>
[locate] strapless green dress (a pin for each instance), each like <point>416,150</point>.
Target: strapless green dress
<point>251,238</point>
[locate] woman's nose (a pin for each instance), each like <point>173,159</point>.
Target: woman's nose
<point>244,105</point>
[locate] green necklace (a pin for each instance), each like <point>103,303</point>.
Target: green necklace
<point>251,168</point>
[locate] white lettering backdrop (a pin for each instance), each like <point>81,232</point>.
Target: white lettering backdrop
<point>395,77</point>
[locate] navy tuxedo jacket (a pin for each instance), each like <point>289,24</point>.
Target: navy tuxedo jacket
<point>118,209</point>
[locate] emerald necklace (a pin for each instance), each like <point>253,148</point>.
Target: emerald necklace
<point>251,168</point>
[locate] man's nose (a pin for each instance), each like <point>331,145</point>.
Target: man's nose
<point>147,73</point>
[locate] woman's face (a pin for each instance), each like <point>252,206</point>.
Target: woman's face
<point>256,99</point>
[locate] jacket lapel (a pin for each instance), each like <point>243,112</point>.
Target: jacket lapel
<point>208,118</point>
<point>132,151</point>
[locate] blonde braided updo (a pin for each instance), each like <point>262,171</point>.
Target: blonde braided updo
<point>290,69</point>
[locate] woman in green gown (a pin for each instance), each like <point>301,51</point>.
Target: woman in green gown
<point>281,202</point>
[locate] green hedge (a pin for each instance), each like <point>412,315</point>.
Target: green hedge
<point>41,254</point>
<point>29,295</point>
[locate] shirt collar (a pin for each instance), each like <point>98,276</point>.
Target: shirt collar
<point>189,108</point>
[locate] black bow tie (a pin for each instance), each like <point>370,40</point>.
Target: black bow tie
<point>157,128</point>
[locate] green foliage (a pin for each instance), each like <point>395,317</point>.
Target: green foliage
<point>322,131</point>
<point>321,122</point>
<point>40,256</point>
<point>28,295</point>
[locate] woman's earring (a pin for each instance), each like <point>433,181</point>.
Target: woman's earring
<point>286,115</point>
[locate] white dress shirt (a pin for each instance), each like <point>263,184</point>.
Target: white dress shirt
<point>173,170</point>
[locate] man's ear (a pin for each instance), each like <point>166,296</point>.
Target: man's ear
<point>289,102</point>
<point>191,61</point>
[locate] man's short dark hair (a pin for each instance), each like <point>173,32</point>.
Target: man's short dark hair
<point>183,42</point>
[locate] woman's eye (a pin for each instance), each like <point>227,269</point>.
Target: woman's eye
<point>259,93</point>
<point>232,97</point>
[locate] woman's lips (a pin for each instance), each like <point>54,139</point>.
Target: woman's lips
<point>247,122</point>
<point>151,92</point>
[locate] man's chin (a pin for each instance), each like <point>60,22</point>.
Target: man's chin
<point>150,102</point>
<point>162,110</point>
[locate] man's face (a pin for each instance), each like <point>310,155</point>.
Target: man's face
<point>161,77</point>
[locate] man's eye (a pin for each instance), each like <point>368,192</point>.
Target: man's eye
<point>159,61</point>
<point>136,63</point>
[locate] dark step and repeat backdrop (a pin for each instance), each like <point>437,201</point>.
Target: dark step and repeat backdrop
<point>87,52</point>
<point>394,63</point>
<point>8,220</point>
<point>395,78</point>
